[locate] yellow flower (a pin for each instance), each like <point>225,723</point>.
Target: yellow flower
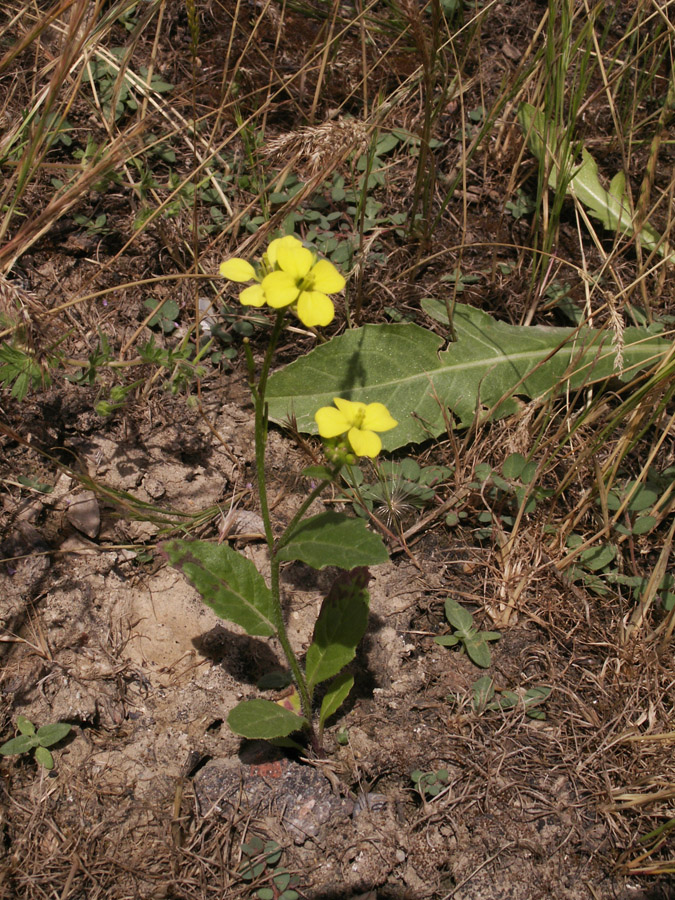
<point>359,420</point>
<point>299,278</point>
<point>239,270</point>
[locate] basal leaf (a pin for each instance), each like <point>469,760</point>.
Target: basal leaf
<point>488,365</point>
<point>333,539</point>
<point>228,582</point>
<point>608,206</point>
<point>341,624</point>
<point>263,720</point>
<point>335,696</point>
<point>446,640</point>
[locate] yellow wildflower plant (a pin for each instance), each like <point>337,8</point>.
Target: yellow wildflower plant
<point>289,274</point>
<point>360,421</point>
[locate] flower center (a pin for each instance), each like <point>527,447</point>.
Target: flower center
<point>359,416</point>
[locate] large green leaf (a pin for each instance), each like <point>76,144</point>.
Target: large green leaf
<point>609,206</point>
<point>263,720</point>
<point>403,367</point>
<point>340,626</point>
<point>228,582</point>
<point>333,539</point>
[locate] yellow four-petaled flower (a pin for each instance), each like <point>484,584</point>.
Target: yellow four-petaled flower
<point>360,421</point>
<point>289,274</point>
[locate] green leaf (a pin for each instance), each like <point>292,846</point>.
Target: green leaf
<point>644,524</point>
<point>489,361</point>
<point>44,757</point>
<point>447,640</point>
<point>333,539</point>
<point>483,691</point>
<point>335,696</point>
<point>25,725</point>
<point>513,466</point>
<point>460,618</point>
<point>228,582</point>
<point>598,558</point>
<point>478,652</point>
<point>490,635</point>
<point>340,626</point>
<point>21,744</point>
<point>263,719</point>
<point>608,206</point>
<point>52,734</point>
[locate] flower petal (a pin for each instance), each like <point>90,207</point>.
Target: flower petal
<point>289,240</point>
<point>253,296</point>
<point>315,308</point>
<point>237,270</point>
<point>294,259</point>
<point>364,443</point>
<point>352,410</point>
<point>327,278</point>
<point>378,418</point>
<point>280,289</point>
<point>330,422</point>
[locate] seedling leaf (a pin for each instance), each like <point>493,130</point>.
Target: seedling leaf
<point>478,652</point>
<point>44,757</point>
<point>460,618</point>
<point>52,734</point>
<point>20,744</point>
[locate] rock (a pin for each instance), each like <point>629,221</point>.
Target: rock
<point>83,513</point>
<point>300,796</point>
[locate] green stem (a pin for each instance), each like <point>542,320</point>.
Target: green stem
<point>258,392</point>
<point>295,521</point>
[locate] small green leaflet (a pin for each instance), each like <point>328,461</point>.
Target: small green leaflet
<point>337,693</point>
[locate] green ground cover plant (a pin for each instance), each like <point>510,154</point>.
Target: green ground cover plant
<point>36,741</point>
